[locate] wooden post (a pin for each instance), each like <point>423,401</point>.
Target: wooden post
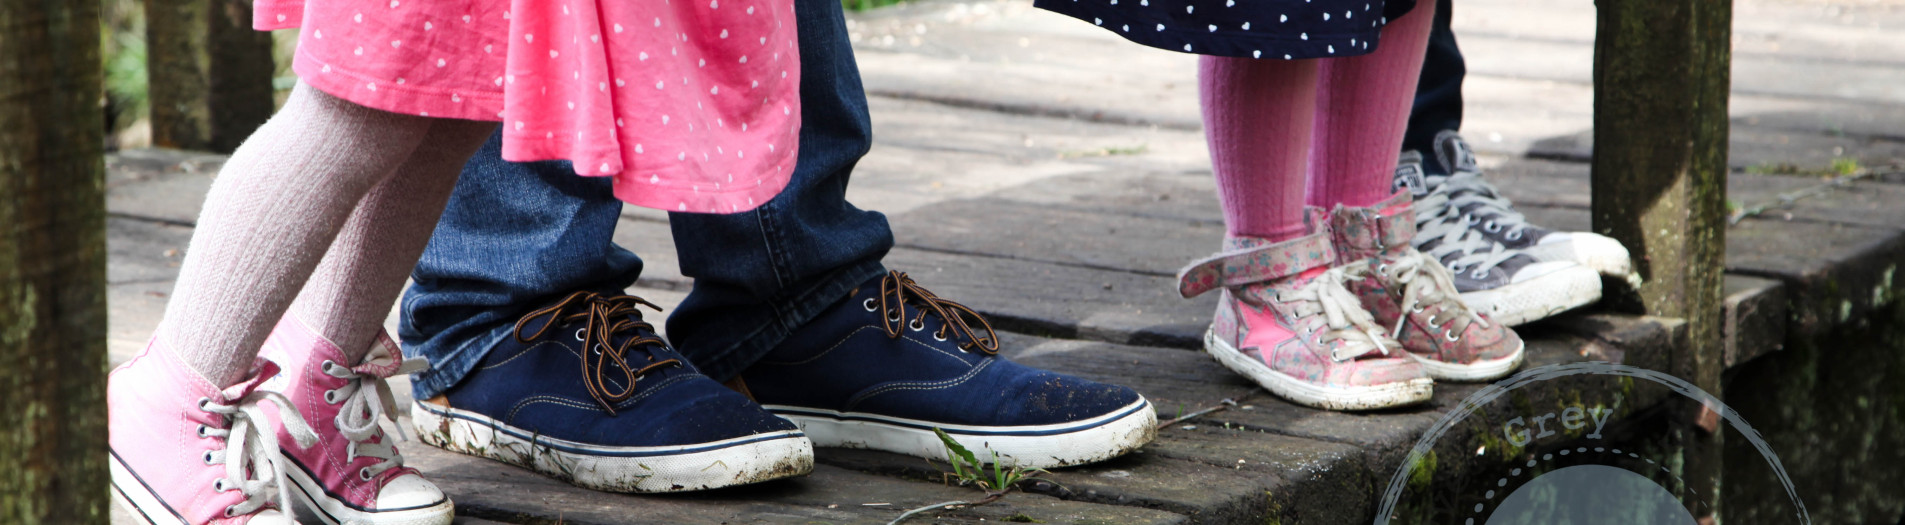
<point>52,265</point>
<point>208,72</point>
<point>1661,79</point>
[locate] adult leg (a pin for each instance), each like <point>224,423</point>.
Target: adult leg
<point>513,237</point>
<point>763,274</point>
<point>1438,100</point>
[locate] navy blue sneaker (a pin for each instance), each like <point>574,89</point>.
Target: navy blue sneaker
<point>885,366</point>
<point>626,415</point>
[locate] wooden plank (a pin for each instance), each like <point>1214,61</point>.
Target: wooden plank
<point>52,264</point>
<point>1755,318</point>
<point>1062,301</point>
<point>1299,464</point>
<point>491,490</point>
<point>1835,273</point>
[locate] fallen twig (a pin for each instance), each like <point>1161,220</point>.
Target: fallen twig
<point>1187,417</point>
<point>990,497</point>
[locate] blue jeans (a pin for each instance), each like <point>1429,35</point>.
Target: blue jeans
<point>1438,104</point>
<point>517,236</point>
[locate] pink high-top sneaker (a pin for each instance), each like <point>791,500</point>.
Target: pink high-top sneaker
<point>186,452</point>
<point>1286,321</point>
<point>354,474</point>
<point>1415,297</point>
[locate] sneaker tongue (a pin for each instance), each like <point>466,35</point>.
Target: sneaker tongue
<point>1453,153</point>
<point>1409,174</point>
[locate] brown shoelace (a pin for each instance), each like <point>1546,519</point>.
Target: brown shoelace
<point>896,290</point>
<point>605,316</point>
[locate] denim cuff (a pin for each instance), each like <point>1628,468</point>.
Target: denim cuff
<point>781,319</point>
<point>456,363</point>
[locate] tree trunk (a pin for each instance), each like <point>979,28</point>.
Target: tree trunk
<point>1661,80</point>
<point>52,265</point>
<point>209,74</point>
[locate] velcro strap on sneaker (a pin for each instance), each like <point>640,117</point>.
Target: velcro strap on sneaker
<point>1395,228</point>
<point>1256,264</point>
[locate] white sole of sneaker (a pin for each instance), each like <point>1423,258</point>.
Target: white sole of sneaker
<point>1487,370</point>
<point>1304,393</point>
<point>1538,298</point>
<point>315,502</point>
<point>737,461</point>
<point>1040,446</point>
<point>137,498</point>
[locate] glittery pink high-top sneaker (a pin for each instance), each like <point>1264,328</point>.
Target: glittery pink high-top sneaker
<point>354,473</point>
<point>1286,321</point>
<point>1414,296</point>
<point>184,451</point>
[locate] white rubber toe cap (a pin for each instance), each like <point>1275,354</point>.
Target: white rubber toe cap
<point>407,491</point>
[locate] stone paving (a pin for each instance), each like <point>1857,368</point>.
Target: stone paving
<point>1055,178</point>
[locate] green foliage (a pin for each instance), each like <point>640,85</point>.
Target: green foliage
<point>1845,166</point>
<point>122,45</point>
<point>862,5</point>
<point>968,470</point>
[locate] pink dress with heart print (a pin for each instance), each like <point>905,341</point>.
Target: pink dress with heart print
<point>692,105</point>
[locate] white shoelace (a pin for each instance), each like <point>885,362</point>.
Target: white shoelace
<point>1468,188</point>
<point>363,407</point>
<point>1424,282</point>
<point>1343,312</point>
<point>1437,218</point>
<point>257,447</point>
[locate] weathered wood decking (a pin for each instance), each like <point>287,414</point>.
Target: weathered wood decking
<point>1044,173</point>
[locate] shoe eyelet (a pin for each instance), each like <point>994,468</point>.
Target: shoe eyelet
<point>1416,309</point>
<point>1446,334</point>
<point>330,397</point>
<point>201,431</point>
<point>229,512</point>
<point>218,485</point>
<point>1478,274</point>
<point>917,325</point>
<point>894,319</point>
<point>1455,268</point>
<point>207,458</point>
<point>363,474</point>
<point>1514,235</point>
<point>578,334</point>
<point>939,337</point>
<point>1492,227</point>
<point>326,366</point>
<point>202,402</point>
<point>1471,219</point>
<point>868,304</point>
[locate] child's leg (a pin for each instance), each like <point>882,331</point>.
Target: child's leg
<point>1362,111</point>
<point>1257,118</point>
<point>360,276</point>
<point>273,210</point>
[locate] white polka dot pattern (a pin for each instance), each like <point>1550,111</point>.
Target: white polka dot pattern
<point>565,74</point>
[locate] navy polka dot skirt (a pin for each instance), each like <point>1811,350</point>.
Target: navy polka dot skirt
<point>1269,29</point>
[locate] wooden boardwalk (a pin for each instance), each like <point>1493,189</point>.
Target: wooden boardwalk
<point>1045,173</point>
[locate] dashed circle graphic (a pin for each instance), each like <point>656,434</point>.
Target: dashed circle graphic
<point>1474,402</point>
<point>1549,457</point>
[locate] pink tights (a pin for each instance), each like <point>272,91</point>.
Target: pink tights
<point>1260,117</point>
